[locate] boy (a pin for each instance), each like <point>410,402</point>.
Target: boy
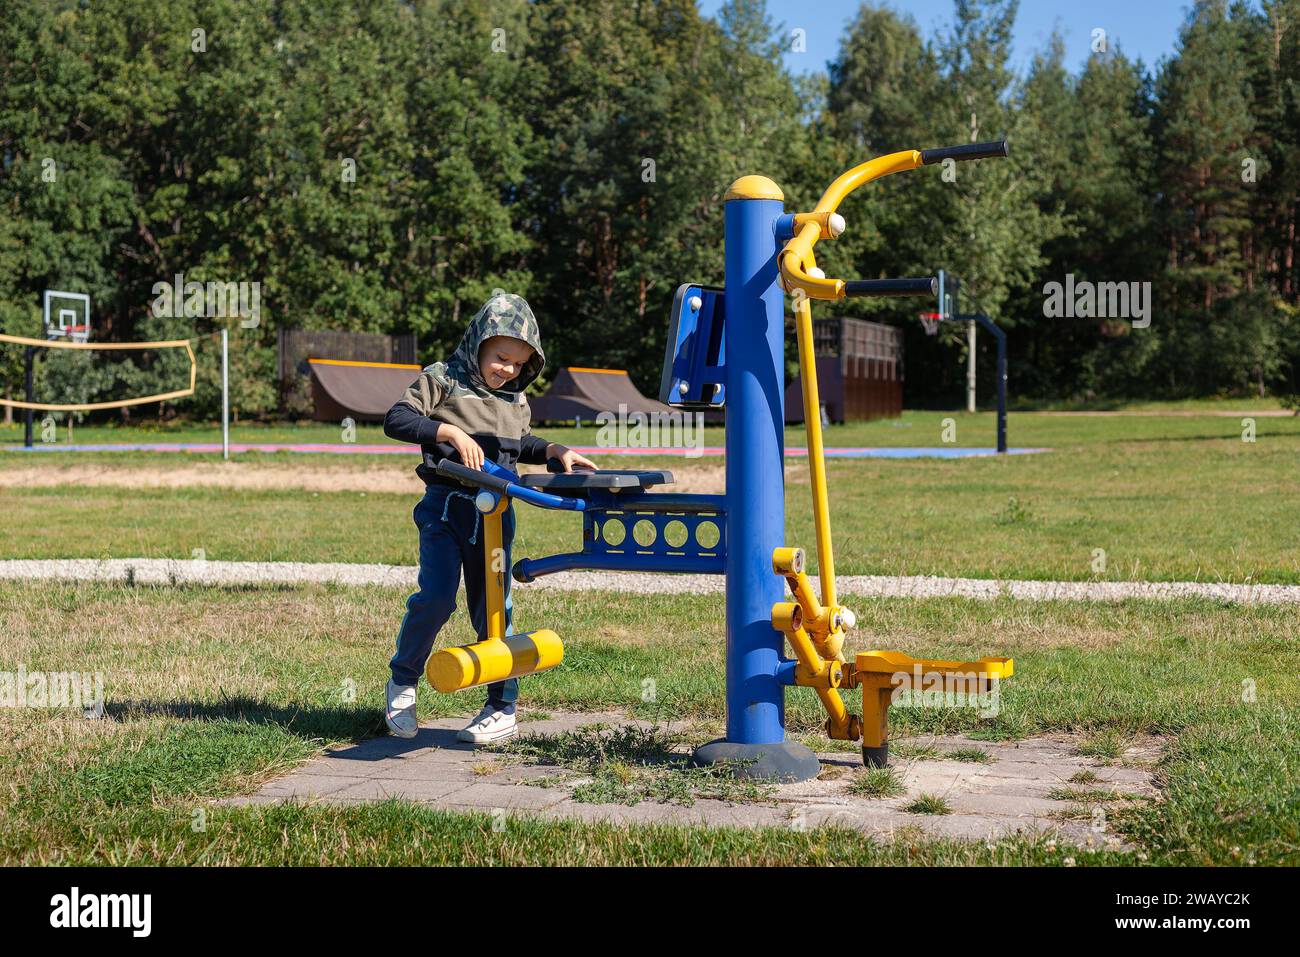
<point>466,409</point>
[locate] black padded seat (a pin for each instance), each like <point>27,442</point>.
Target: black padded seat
<point>613,479</point>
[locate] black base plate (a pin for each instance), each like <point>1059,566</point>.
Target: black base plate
<point>788,761</point>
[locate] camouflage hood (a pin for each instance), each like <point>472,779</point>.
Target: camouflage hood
<point>502,315</point>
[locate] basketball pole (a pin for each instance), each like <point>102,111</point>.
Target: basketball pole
<point>225,394</point>
<point>1002,390</point>
<point>1000,338</point>
<point>30,358</point>
<point>970,367</point>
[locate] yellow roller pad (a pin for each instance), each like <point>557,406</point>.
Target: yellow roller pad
<point>486,662</point>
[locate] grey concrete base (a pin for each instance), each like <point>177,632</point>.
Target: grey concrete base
<point>1016,791</point>
<point>786,762</point>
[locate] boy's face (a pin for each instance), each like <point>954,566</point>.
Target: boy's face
<point>501,359</point>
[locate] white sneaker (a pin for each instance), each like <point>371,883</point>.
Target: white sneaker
<point>400,713</point>
<point>490,725</point>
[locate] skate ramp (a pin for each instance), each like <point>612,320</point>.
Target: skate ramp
<point>362,391</point>
<point>579,392</point>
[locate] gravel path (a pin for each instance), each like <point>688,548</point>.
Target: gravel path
<point>164,571</point>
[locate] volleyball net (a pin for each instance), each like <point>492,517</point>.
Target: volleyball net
<point>151,351</point>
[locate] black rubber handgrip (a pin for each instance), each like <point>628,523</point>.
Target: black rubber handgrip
<point>971,151</point>
<point>469,476</point>
<point>854,288</point>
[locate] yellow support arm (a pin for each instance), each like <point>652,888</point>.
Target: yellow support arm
<point>494,572</point>
<point>823,622</point>
<point>796,259</point>
<point>812,671</point>
<point>498,656</point>
<point>816,455</point>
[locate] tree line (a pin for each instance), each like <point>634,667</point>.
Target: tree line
<point>383,167</point>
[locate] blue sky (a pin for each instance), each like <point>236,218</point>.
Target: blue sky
<point>1146,29</point>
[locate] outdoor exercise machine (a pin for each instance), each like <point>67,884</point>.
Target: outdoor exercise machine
<point>949,310</point>
<point>725,349</point>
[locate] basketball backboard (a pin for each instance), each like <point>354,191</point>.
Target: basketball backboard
<point>946,305</point>
<point>949,293</point>
<point>67,315</point>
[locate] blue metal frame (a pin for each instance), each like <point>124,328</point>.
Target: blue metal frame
<point>607,512</point>
<point>755,341</point>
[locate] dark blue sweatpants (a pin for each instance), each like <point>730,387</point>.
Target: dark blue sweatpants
<point>451,540</point>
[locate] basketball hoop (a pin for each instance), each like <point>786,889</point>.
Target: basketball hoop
<point>73,333</point>
<point>930,322</point>
<point>67,315</point>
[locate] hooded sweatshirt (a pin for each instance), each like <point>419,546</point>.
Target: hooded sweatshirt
<point>456,392</point>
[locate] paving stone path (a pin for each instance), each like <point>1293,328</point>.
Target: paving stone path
<point>988,800</point>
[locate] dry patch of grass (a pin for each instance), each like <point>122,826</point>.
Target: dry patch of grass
<point>319,474</point>
<point>183,650</point>
<point>965,628</point>
<point>324,473</point>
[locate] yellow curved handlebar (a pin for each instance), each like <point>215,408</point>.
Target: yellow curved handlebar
<point>797,256</point>
<point>795,259</point>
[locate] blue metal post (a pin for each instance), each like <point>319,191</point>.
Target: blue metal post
<point>755,424</point>
<point>755,337</point>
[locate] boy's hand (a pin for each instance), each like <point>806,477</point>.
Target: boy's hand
<point>470,452</point>
<point>568,458</point>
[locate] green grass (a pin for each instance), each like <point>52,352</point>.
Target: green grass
<point>877,783</point>
<point>1014,512</point>
<point>911,751</point>
<point>1193,421</point>
<point>968,755</point>
<point>1161,406</point>
<point>1026,427</point>
<point>1106,744</point>
<point>1084,794</point>
<point>213,691</point>
<point>928,804</point>
<point>1157,499</point>
<point>393,833</point>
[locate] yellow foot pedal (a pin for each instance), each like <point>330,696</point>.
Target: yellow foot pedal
<point>881,673</point>
<point>497,659</point>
